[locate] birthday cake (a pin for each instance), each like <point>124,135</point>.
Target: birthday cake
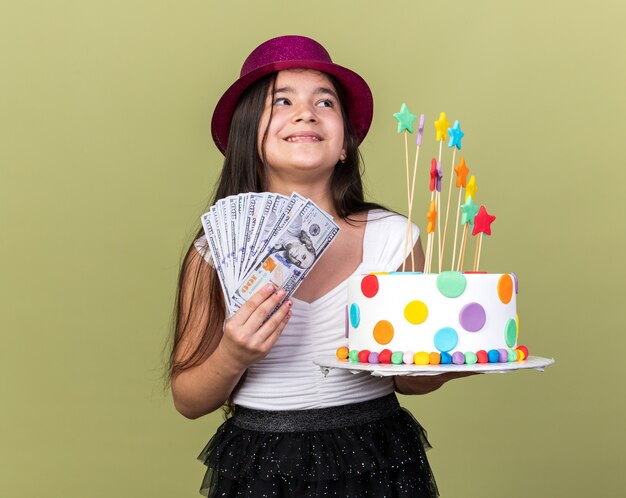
<point>436,318</point>
<point>450,317</point>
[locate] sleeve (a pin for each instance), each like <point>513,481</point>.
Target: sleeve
<point>386,244</point>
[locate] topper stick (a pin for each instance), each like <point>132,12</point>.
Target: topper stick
<point>427,253</point>
<point>477,253</point>
<point>480,247</point>
<point>445,226</point>
<point>432,214</point>
<point>456,227</point>
<point>411,197</point>
<point>409,226</point>
<point>463,246</point>
<point>438,200</point>
<point>405,123</point>
<point>439,210</point>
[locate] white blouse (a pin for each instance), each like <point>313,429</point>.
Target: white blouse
<point>287,379</point>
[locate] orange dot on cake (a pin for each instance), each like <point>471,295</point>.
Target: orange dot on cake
<point>505,288</point>
<point>383,332</point>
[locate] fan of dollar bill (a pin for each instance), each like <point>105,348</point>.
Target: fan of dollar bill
<point>260,238</point>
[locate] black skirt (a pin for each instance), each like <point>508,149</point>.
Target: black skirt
<point>370,449</point>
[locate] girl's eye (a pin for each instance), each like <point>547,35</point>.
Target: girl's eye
<point>326,103</point>
<point>281,101</point>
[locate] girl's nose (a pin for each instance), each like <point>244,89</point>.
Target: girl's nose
<point>304,113</point>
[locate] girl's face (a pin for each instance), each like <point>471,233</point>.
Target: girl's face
<point>306,131</point>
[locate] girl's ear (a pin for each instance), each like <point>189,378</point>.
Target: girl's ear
<point>343,156</point>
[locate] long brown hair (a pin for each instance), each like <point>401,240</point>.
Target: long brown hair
<point>199,301</point>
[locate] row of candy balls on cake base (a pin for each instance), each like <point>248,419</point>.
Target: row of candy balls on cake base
<point>423,358</point>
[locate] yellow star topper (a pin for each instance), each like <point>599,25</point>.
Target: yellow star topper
<point>470,190</point>
<point>441,127</point>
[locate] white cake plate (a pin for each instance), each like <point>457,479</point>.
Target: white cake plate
<point>385,370</point>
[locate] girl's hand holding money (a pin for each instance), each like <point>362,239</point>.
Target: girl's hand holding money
<point>248,336</point>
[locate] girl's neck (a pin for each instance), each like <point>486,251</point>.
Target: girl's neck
<point>318,192</point>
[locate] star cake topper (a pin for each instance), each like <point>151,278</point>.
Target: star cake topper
<point>405,119</point>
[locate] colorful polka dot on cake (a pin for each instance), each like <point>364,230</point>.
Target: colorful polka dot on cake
<point>510,333</point>
<point>369,285</point>
<point>451,283</point>
<point>472,317</point>
<point>505,288</point>
<point>383,332</point>
<point>446,339</point>
<point>416,312</point>
<point>355,315</point>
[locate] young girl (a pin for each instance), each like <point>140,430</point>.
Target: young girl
<point>292,122</point>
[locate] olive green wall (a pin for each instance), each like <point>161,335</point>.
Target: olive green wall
<point>106,162</point>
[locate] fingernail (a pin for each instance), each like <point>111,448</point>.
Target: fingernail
<point>269,287</point>
<point>280,292</point>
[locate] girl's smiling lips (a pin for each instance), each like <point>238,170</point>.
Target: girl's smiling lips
<point>303,136</point>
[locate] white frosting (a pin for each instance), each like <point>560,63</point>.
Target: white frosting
<point>397,290</point>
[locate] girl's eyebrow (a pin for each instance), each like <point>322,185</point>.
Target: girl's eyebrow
<point>322,90</point>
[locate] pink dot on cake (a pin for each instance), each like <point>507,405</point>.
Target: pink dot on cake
<point>369,285</point>
<point>472,317</point>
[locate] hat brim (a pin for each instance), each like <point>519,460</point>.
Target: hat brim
<point>359,102</point>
